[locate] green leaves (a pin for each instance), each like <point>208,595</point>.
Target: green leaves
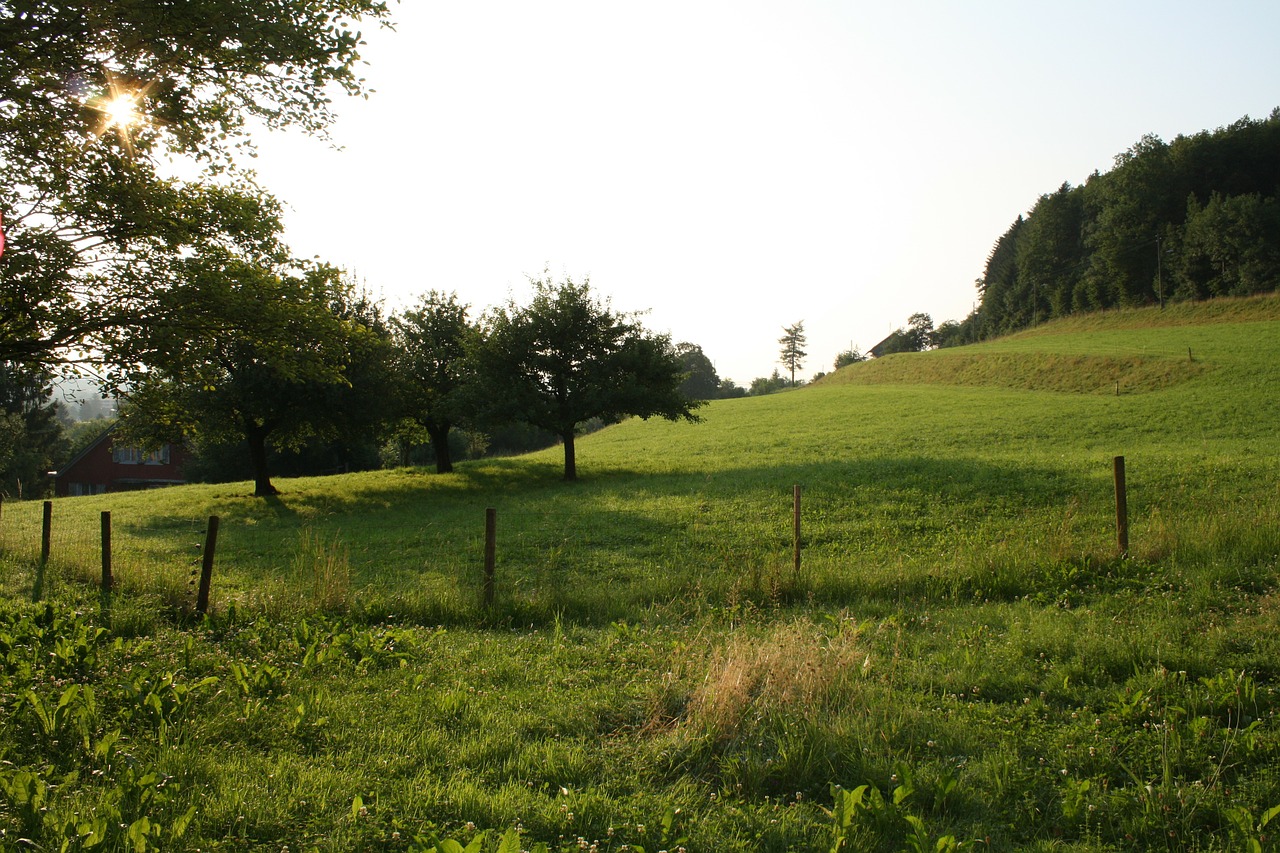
<point>92,223</point>
<point>1192,219</point>
<point>568,357</point>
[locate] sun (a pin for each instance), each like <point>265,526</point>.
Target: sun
<point>121,111</point>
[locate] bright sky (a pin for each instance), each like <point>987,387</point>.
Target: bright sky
<point>733,166</point>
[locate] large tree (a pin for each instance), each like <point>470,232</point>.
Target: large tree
<point>792,354</point>
<point>248,351</point>
<point>93,94</point>
<point>568,357</point>
<point>431,344</point>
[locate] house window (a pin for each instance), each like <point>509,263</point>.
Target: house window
<point>137,456</point>
<point>126,455</point>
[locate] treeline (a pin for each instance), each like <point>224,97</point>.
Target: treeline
<point>1191,219</point>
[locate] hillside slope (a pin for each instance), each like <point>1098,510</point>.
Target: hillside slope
<point>963,648</point>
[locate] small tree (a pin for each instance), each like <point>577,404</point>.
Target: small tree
<point>432,339</point>
<point>730,390</point>
<point>793,343</point>
<point>762,385</point>
<point>568,357</point>
<point>850,356</point>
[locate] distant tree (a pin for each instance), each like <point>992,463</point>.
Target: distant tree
<point>730,390</point>
<point>793,342</point>
<point>848,357</point>
<point>771,384</point>
<point>951,334</point>
<point>1050,257</point>
<point>432,339</point>
<point>920,332</point>
<point>701,381</point>
<point>1132,203</point>
<point>1228,247</point>
<point>567,358</point>
<point>998,288</point>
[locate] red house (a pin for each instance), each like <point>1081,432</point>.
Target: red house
<point>105,466</point>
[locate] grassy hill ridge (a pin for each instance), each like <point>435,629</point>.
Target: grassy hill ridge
<point>1155,348</point>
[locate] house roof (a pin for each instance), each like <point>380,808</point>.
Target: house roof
<point>874,352</point>
<point>87,450</point>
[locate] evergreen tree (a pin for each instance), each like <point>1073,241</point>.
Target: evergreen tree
<point>793,342</point>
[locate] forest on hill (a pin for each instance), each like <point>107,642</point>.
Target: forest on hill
<point>1190,219</point>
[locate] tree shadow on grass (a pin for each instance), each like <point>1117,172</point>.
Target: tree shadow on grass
<point>617,542</point>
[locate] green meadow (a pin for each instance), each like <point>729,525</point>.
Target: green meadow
<point>963,659</point>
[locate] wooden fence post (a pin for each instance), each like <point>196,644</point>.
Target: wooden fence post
<point>1122,507</point>
<point>46,532</point>
<point>206,567</point>
<point>107,581</point>
<point>46,546</point>
<point>795,528</point>
<point>490,553</point>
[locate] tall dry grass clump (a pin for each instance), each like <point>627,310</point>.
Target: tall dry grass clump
<point>322,571</point>
<point>795,669</point>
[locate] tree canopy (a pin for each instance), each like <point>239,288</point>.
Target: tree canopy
<point>246,351</point>
<point>93,95</point>
<point>431,339</point>
<point>1190,219</point>
<point>568,357</point>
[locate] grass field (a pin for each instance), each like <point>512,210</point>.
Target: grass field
<point>964,660</point>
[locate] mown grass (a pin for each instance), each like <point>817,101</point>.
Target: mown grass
<point>963,637</point>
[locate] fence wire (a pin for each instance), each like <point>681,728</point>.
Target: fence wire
<point>579,554</point>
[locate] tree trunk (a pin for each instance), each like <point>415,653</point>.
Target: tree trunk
<point>440,444</point>
<point>257,437</point>
<point>570,461</point>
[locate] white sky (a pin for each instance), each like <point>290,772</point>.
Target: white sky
<point>733,167</point>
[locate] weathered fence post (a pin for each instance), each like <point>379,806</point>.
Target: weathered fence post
<point>490,553</point>
<point>46,546</point>
<point>795,528</point>
<point>107,581</point>
<point>1122,508</point>
<point>206,566</point>
<point>46,532</point>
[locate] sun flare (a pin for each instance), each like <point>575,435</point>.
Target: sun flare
<point>121,111</point>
